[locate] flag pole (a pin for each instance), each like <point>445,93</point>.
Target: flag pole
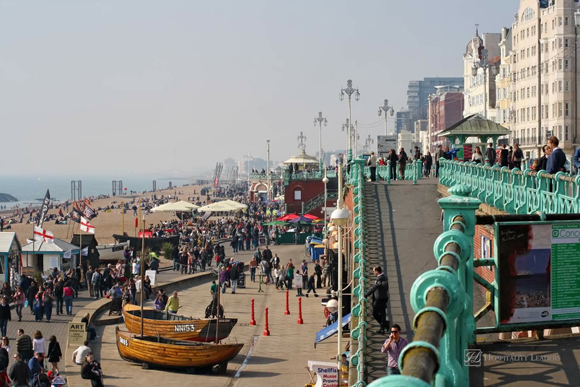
<point>142,263</point>
<point>123,215</point>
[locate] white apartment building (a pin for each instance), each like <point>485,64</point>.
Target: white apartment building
<point>543,75</point>
<point>504,115</point>
<point>479,90</point>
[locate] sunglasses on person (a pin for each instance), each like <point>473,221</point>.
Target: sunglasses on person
<point>394,331</point>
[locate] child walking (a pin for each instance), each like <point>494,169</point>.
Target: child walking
<point>298,283</point>
<point>311,286</point>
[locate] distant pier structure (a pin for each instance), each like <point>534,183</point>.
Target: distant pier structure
<point>76,190</point>
<point>154,185</point>
<point>117,187</point>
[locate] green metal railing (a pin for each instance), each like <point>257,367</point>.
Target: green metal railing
<point>442,299</point>
<point>413,171</point>
<point>515,191</point>
<point>356,178</point>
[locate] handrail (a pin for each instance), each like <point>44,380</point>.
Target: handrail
<point>442,299</point>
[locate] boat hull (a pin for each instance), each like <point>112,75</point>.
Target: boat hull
<point>173,354</point>
<point>178,328</point>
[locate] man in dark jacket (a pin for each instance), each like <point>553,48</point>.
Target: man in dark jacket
<point>267,254</point>
<point>439,154</point>
<point>557,159</point>
<point>490,154</point>
<point>380,292</point>
<point>19,372</point>
<point>32,292</point>
<point>234,275</point>
<point>503,156</point>
<point>59,294</point>
<point>24,345</point>
<point>5,315</point>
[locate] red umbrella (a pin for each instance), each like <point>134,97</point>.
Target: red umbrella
<point>313,217</point>
<point>288,217</point>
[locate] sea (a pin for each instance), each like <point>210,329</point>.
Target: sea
<point>31,190</point>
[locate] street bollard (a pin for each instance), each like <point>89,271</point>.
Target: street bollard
<point>287,311</point>
<point>266,328</point>
<point>300,321</point>
<point>252,320</point>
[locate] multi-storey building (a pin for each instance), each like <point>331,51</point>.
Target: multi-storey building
<point>504,114</point>
<point>445,110</point>
<point>544,75</point>
<point>480,89</point>
<point>418,94</point>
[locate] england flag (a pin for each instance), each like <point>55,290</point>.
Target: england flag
<point>41,234</point>
<point>86,226</point>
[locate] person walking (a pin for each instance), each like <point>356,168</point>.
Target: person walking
<point>59,296</point>
<point>372,163</point>
<point>289,274</point>
<point>517,156</point>
<point>380,293</point>
<point>318,272</point>
<point>402,163</point>
<point>172,304</point>
<point>477,157</point>
<point>311,287</point>
<point>68,294</point>
<point>96,283</point>
<point>503,156</point>
<point>253,265</point>
<point>439,154</point>
<point>24,345</point>
<point>19,372</point>
<point>393,346</point>
<point>304,269</point>
<point>427,164</point>
<point>234,275</point>
<point>54,353</point>
<point>31,295</point>
<point>38,344</point>
<point>5,315</point>
<point>490,154</point>
<point>392,157</point>
<point>38,307</point>
<point>48,299</point>
<point>35,366</point>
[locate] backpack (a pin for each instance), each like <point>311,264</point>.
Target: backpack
<point>41,380</point>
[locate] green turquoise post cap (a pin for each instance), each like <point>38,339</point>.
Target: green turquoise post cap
<point>460,197</point>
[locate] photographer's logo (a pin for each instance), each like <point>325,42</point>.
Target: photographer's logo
<point>472,357</point>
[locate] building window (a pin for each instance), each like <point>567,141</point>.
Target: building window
<point>567,86</point>
<point>559,86</point>
<point>566,41</point>
<point>560,21</point>
<point>566,20</point>
<point>297,194</point>
<point>566,64</point>
<point>567,133</point>
<point>567,109</point>
<point>559,109</point>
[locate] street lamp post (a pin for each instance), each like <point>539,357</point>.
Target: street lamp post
<point>269,177</point>
<point>340,218</point>
<point>368,143</point>
<point>349,91</point>
<point>325,181</point>
<point>484,64</point>
<point>248,157</point>
<point>320,120</point>
<point>387,109</point>
<point>349,131</point>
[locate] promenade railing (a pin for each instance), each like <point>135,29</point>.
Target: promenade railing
<point>515,191</point>
<point>413,171</point>
<point>356,179</point>
<point>442,299</point>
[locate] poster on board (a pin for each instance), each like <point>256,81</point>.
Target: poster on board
<point>539,272</point>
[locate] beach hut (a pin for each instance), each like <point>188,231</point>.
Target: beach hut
<point>92,256</point>
<point>39,256</point>
<point>9,255</point>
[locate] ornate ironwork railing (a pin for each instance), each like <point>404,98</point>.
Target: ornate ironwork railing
<point>515,191</point>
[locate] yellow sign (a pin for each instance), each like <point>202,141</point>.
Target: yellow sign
<point>77,334</point>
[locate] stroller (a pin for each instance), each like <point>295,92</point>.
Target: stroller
<point>116,306</point>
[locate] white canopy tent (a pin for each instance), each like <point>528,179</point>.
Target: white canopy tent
<point>180,206</point>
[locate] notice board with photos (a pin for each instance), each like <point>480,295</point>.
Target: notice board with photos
<point>538,272</point>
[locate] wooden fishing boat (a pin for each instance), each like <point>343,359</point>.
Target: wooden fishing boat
<point>154,244</point>
<point>173,326</point>
<point>162,352</point>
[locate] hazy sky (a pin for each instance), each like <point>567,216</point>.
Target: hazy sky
<point>162,86</point>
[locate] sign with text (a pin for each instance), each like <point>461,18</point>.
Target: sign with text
<point>539,272</point>
<point>385,144</point>
<point>152,276</point>
<point>77,334</point>
<point>326,373</point>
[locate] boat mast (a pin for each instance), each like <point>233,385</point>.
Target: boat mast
<point>142,263</point>
<point>217,324</point>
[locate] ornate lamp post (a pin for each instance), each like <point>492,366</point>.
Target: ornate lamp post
<point>387,109</point>
<point>368,143</point>
<point>349,91</point>
<point>339,218</point>
<point>319,120</point>
<point>485,64</point>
